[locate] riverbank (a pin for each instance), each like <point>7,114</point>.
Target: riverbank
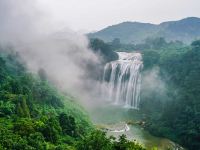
<point>114,121</point>
<point>138,134</point>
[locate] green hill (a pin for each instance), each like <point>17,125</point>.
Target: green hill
<point>185,30</point>
<point>34,115</point>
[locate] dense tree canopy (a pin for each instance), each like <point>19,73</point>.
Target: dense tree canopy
<point>103,49</point>
<point>30,108</point>
<point>176,114</point>
<point>34,115</point>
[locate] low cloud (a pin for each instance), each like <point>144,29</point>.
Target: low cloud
<point>62,54</point>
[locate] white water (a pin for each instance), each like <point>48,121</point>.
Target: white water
<point>125,129</point>
<point>122,80</point>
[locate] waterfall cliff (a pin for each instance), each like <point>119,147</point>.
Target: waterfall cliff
<point>122,80</point>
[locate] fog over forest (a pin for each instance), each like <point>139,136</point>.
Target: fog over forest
<point>99,75</point>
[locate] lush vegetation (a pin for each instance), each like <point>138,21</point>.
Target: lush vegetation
<point>170,106</point>
<point>98,140</point>
<point>33,114</point>
<point>158,44</point>
<point>103,49</point>
<point>174,113</point>
<point>36,116</point>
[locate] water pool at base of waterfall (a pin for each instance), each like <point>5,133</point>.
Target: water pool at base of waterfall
<point>115,118</point>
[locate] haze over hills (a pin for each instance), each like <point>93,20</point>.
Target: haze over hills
<point>185,30</point>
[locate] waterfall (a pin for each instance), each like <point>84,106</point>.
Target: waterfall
<point>122,80</point>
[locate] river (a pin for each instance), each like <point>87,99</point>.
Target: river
<point>114,119</point>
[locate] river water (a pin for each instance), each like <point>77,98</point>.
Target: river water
<point>114,118</point>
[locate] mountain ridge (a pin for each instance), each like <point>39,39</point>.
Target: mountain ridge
<point>185,30</point>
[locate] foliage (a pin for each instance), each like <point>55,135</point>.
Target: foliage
<point>31,110</point>
<point>154,44</point>
<point>177,114</point>
<point>103,49</point>
<point>68,125</point>
<point>124,144</point>
<point>36,116</point>
<point>97,140</point>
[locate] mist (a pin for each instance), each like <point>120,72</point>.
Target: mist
<point>154,90</point>
<point>62,53</point>
<point>152,81</point>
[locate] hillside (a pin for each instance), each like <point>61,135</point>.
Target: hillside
<point>34,115</point>
<point>185,30</point>
<point>172,107</point>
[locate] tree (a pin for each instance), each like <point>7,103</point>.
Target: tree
<point>150,59</point>
<point>67,124</point>
<point>37,141</point>
<point>52,130</point>
<point>98,46</point>
<point>22,107</point>
<point>124,144</point>
<point>6,108</point>
<point>2,69</point>
<point>24,127</point>
<point>96,140</point>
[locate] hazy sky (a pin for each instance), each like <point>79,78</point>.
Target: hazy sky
<point>96,14</point>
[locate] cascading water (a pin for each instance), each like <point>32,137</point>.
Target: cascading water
<point>122,80</point>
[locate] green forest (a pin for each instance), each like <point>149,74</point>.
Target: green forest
<point>34,115</point>
<point>176,114</point>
